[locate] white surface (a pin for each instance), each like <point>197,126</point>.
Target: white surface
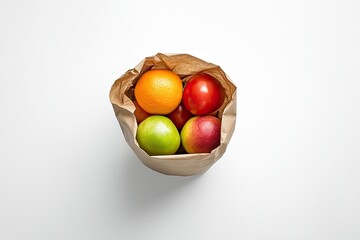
<point>291,170</point>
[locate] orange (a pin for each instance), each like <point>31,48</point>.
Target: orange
<point>139,113</point>
<point>159,91</point>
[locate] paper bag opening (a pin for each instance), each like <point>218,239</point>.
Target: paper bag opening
<point>184,65</point>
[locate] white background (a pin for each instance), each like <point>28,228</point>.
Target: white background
<point>292,168</point>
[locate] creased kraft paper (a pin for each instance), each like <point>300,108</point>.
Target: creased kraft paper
<point>184,65</point>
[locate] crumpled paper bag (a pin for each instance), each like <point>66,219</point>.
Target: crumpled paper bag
<point>184,65</point>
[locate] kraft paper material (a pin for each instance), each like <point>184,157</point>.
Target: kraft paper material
<point>184,65</point>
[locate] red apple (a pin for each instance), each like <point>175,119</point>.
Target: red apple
<point>203,94</point>
<point>201,134</point>
<point>180,116</point>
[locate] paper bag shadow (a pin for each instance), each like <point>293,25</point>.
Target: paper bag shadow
<point>144,188</point>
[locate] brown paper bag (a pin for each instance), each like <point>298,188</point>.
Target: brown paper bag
<point>184,65</point>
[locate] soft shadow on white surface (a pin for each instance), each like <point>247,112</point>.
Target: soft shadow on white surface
<point>143,189</point>
<point>292,172</point>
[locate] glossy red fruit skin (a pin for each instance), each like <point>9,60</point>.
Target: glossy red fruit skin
<point>201,134</point>
<point>180,116</point>
<point>203,94</point>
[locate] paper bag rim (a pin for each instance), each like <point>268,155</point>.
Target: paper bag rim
<point>177,164</point>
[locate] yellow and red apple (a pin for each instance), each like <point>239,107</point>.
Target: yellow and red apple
<point>201,134</point>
